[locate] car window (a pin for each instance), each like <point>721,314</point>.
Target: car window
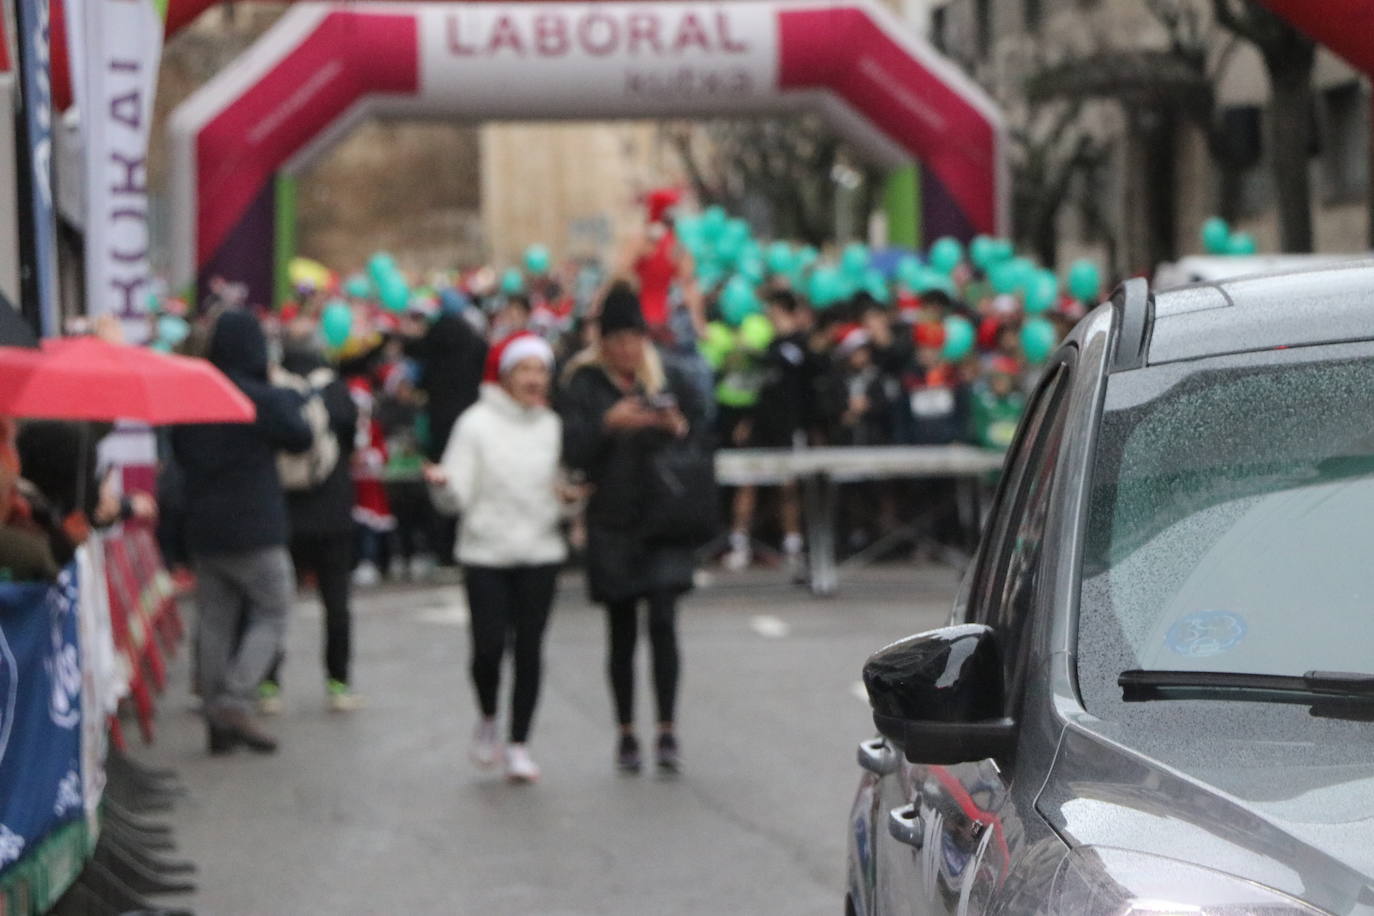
<point>1230,512</point>
<point>1009,570</point>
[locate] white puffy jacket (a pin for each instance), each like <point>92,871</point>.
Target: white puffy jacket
<point>502,468</point>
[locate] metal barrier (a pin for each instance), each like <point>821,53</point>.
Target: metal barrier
<point>821,470</point>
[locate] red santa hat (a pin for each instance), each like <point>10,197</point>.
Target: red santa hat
<point>930,334</point>
<point>850,338</point>
<point>658,202</point>
<point>1003,365</point>
<point>516,348</point>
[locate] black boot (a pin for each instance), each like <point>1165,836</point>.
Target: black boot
<point>232,727</point>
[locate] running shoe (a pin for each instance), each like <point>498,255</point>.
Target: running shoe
<point>627,759</point>
<point>341,697</point>
<point>486,746</point>
<point>269,699</point>
<point>669,758</point>
<point>519,767</point>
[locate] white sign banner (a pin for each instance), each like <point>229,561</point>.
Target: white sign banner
<point>115,47</point>
<point>490,59</point>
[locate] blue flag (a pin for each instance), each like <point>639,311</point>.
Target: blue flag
<point>40,714</point>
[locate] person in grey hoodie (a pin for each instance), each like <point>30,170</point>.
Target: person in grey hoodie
<point>500,468</point>
<point>236,528</point>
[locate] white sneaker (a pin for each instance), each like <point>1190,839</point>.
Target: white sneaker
<point>486,746</point>
<point>341,697</point>
<point>741,555</point>
<point>366,575</point>
<point>519,766</point>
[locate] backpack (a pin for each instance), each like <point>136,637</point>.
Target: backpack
<point>306,470</point>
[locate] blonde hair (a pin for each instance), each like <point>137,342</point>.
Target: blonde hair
<point>650,373</point>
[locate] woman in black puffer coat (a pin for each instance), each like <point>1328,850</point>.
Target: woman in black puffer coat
<point>619,407</point>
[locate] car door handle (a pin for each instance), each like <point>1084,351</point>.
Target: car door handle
<point>877,756</point>
<point>905,826</point>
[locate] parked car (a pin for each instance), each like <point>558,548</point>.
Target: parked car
<point>1211,268</point>
<point>1154,694</point>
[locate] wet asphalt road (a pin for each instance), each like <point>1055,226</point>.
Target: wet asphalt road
<point>379,811</point>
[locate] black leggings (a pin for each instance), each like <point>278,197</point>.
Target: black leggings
<point>502,601</point>
<point>330,558</point>
<point>622,619</point>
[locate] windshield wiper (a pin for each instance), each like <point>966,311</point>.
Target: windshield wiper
<point>1330,693</point>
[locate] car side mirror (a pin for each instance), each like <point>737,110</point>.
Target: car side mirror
<point>939,695</point>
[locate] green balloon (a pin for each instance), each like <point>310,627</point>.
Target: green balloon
<point>959,337</point>
<point>1037,340</point>
<point>981,250</point>
<point>713,222</point>
<point>756,332</point>
<point>910,272</point>
<point>1216,235</point>
<point>1003,277</point>
<point>359,287</point>
<point>738,301</point>
<point>1085,283</point>
<point>172,330</point>
<point>1002,250</point>
<point>512,281</point>
<point>1241,243</point>
<point>537,259</point>
<point>709,274</point>
<point>753,269</point>
<point>688,230</point>
<point>807,256</point>
<point>876,285</point>
<point>736,232</point>
<point>716,344</point>
<point>946,254</point>
<point>849,284</point>
<point>1042,292</point>
<point>825,287</point>
<point>336,323</point>
<point>780,259</point>
<point>380,265</point>
<point>854,259</point>
<point>933,279</point>
<point>728,251</point>
<point>394,293</point>
<point>1025,270</point>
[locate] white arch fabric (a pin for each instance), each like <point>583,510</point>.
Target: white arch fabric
<point>325,66</point>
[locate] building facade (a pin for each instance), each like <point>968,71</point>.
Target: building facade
<point>1153,171</point>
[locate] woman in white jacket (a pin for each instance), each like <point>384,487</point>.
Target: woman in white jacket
<point>501,468</point>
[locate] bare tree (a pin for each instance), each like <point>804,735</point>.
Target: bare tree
<point>1051,154</point>
<point>1156,88</point>
<point>785,163</point>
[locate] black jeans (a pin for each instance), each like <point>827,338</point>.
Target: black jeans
<point>622,618</point>
<point>330,558</point>
<point>415,525</point>
<point>504,602</point>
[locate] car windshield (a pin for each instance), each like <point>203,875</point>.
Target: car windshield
<point>1231,521</point>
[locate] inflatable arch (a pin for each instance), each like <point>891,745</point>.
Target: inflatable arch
<point>1344,26</point>
<point>324,67</point>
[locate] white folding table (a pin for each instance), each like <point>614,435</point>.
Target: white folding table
<point>821,470</point>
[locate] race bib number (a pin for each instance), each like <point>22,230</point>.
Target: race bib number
<point>932,402</point>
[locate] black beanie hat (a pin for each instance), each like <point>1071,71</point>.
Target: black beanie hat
<point>620,311</point>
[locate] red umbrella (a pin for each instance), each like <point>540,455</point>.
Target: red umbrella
<point>87,378</point>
